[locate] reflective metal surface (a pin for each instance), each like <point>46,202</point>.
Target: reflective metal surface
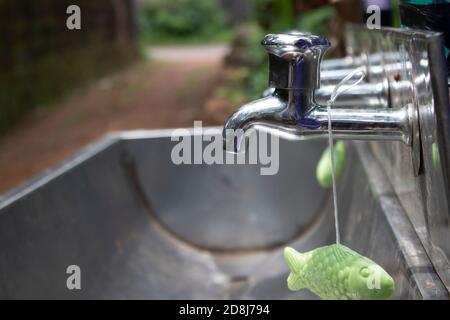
<point>407,69</point>
<point>294,60</point>
<point>291,110</point>
<point>353,61</point>
<point>372,95</point>
<point>276,114</point>
<point>424,197</point>
<point>374,71</point>
<point>141,227</point>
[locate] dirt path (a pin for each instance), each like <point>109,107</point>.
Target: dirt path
<point>163,93</point>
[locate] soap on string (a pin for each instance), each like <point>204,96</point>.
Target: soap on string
<point>336,271</point>
<point>323,168</point>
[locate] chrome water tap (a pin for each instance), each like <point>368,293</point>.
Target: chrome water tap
<point>292,112</point>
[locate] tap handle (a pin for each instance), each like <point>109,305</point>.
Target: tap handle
<point>294,59</point>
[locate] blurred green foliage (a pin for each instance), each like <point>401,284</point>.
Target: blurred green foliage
<point>258,68</point>
<point>315,20</point>
<point>163,21</point>
<point>395,13</point>
<point>275,16</point>
<point>247,77</point>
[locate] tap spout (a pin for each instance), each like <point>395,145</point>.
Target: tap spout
<point>279,114</point>
<point>265,112</point>
<point>388,124</point>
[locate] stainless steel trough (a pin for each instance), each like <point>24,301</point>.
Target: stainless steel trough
<point>139,226</point>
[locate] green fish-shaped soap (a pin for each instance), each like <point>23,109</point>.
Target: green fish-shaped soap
<point>323,169</point>
<point>339,273</point>
<point>435,155</point>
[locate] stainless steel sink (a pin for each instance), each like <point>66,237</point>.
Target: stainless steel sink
<point>139,226</point>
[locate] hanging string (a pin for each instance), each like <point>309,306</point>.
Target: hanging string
<point>334,95</point>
